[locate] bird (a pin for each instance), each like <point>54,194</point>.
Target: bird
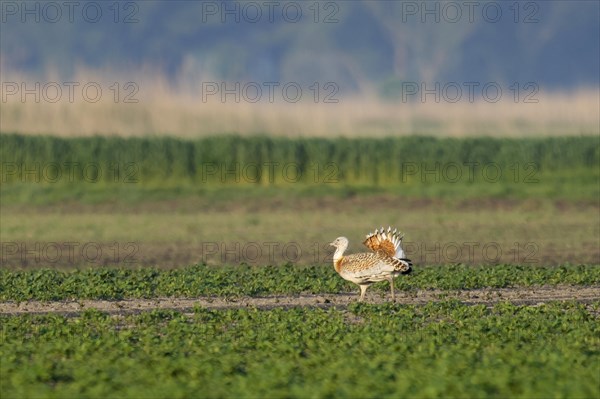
<point>386,262</point>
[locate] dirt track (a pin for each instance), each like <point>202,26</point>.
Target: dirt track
<point>528,296</point>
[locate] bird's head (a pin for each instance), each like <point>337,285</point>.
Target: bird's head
<point>340,242</point>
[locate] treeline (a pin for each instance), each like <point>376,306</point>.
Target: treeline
<point>381,43</point>
<point>280,161</point>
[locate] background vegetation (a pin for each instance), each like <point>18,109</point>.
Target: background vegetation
<point>561,167</point>
<point>168,202</point>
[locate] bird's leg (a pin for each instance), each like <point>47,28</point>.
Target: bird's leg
<point>391,280</point>
<point>363,290</point>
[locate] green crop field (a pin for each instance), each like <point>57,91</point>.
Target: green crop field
<point>164,267</point>
<point>236,281</point>
<point>438,350</point>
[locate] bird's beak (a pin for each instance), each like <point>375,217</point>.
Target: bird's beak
<point>332,244</point>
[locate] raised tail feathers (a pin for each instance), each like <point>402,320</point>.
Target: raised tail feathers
<point>389,241</point>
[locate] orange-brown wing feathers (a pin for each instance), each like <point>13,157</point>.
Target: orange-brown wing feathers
<point>384,241</point>
<point>376,244</point>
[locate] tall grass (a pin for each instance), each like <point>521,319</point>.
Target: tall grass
<point>162,107</point>
<point>274,161</point>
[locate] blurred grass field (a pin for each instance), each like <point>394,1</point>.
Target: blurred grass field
<point>157,106</point>
<point>562,167</point>
<point>258,231</point>
<point>182,202</point>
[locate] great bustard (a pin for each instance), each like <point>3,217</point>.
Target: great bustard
<point>384,263</point>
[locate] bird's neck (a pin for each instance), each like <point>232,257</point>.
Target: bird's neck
<point>338,255</point>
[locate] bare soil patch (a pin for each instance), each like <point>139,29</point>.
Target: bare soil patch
<point>521,295</point>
